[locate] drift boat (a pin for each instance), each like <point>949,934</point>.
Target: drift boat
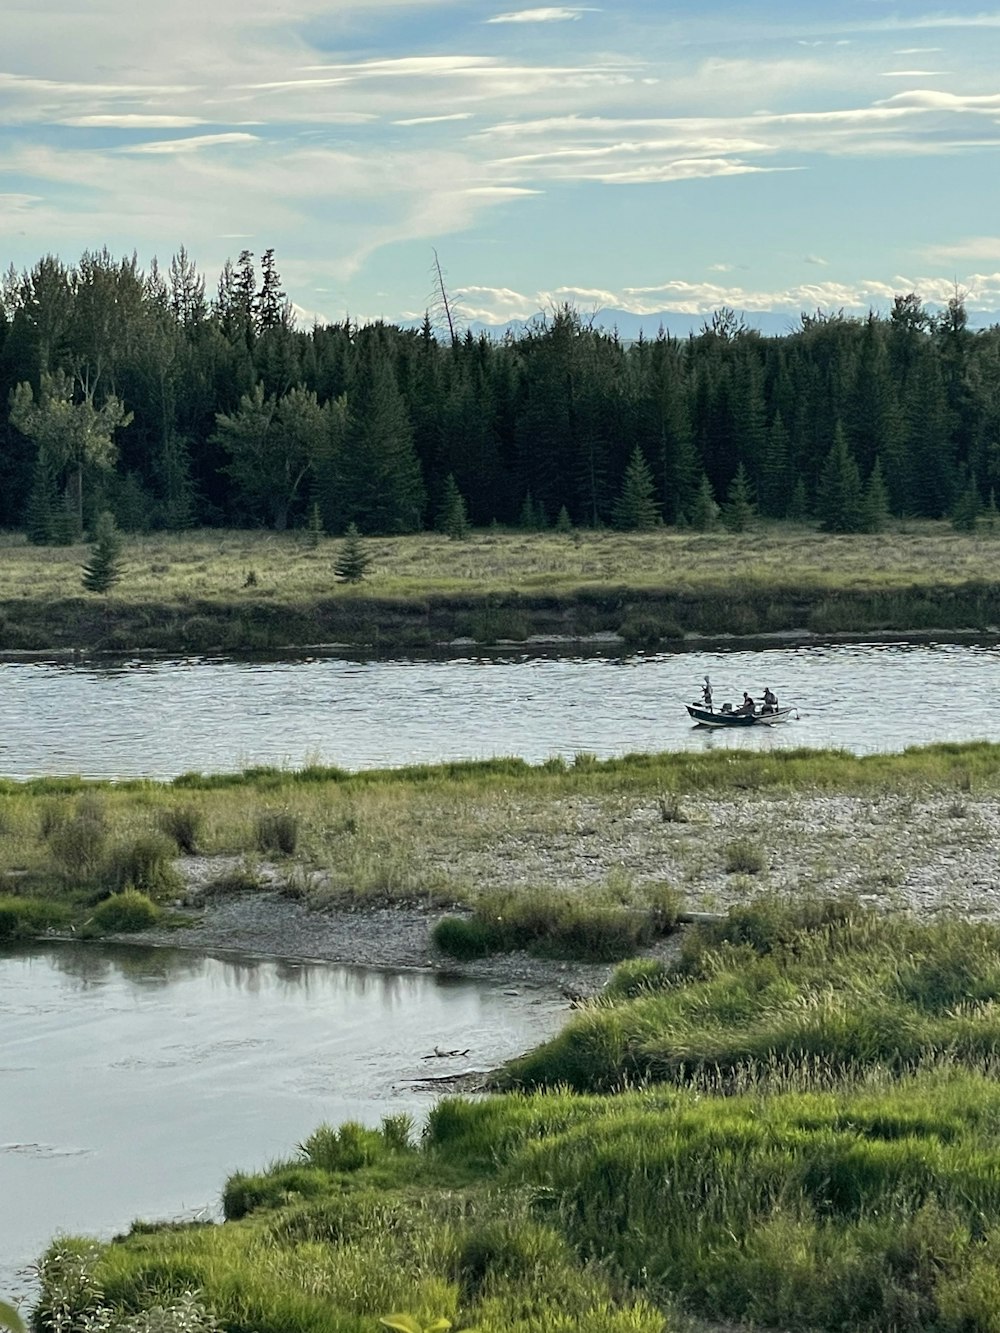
<point>710,717</point>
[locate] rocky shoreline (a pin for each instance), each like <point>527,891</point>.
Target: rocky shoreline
<point>930,856</point>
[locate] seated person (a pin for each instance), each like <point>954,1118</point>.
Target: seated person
<point>747,706</point>
<point>770,702</point>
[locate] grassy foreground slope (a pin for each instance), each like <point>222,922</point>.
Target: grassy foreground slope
<point>850,1180</point>
<point>258,590</point>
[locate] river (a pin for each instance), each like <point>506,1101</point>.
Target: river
<point>164,717</point>
<point>135,1080</point>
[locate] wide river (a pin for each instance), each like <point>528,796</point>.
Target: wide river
<point>161,718</point>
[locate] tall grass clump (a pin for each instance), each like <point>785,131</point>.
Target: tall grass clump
<point>144,862</point>
<point>77,840</point>
<point>277,831</point>
<point>26,918</point>
<point>557,925</point>
<point>183,823</point>
<point>125,913</point>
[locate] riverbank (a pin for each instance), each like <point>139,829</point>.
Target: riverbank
<point>929,855</point>
<point>251,591</point>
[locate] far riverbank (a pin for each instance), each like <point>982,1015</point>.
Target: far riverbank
<point>245,592</point>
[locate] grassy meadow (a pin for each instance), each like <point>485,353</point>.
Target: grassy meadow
<point>796,1126</point>
<point>261,590</point>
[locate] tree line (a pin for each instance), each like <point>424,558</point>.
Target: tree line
<point>136,393</point>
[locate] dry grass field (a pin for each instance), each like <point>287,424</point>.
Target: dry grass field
<point>223,566</point>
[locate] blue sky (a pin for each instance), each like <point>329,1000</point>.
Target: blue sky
<point>642,155</point>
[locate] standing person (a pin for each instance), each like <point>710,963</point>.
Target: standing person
<point>706,695</point>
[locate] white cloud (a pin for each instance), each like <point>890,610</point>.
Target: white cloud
<point>972,247</point>
<point>433,120</point>
<point>133,121</point>
<point>548,14</point>
<point>192,145</point>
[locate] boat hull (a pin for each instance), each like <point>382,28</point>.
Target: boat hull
<point>705,717</point>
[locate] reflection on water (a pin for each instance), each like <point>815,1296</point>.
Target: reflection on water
<point>136,1080</point>
<point>159,719</point>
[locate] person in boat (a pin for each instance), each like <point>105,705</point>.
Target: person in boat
<point>747,706</point>
<point>706,694</point>
<point>770,704</point>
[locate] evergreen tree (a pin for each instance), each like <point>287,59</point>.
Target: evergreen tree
<point>967,508</point>
<point>798,502</point>
<point>452,517</point>
<point>352,560</point>
<point>772,492</point>
<point>314,527</point>
<point>41,514</point>
<point>105,567</point>
<point>839,500</point>
<point>636,508</point>
<point>991,516</point>
<point>738,512</point>
<point>379,480</point>
<point>563,521</point>
<point>704,510</point>
<point>531,517</point>
<point>875,504</point>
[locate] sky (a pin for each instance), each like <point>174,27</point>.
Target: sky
<point>635,155</point>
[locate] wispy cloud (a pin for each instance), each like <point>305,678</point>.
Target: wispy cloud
<point>192,145</point>
<point>547,14</point>
<point>433,120</point>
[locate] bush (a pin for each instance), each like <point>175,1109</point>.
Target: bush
<point>24,918</point>
<point>744,857</point>
<point>144,863</point>
<point>77,844</point>
<point>647,631</point>
<point>277,831</point>
<point>125,912</point>
<point>348,1148</point>
<point>634,977</point>
<point>463,937</point>
<point>183,824</point>
<point>281,1185</point>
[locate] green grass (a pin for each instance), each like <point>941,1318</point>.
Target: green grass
<point>603,927</point>
<point>836,1185</point>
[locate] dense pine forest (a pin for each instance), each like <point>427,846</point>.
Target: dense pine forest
<point>139,393</point>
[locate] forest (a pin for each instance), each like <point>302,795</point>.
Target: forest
<point>137,393</point>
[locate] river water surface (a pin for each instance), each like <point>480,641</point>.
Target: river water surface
<point>134,1081</point>
<point>162,718</point>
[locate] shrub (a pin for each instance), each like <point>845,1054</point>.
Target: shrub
<point>646,631</point>
<point>271,1189</point>
<point>183,824</point>
<point>634,977</point>
<point>348,1148</point>
<point>125,912</point>
<point>463,937</point>
<point>277,831</point>
<point>144,863</point>
<point>744,857</point>
<point>77,844</point>
<point>24,918</point>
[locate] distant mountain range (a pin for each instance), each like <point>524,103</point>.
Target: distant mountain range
<point>679,324</point>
